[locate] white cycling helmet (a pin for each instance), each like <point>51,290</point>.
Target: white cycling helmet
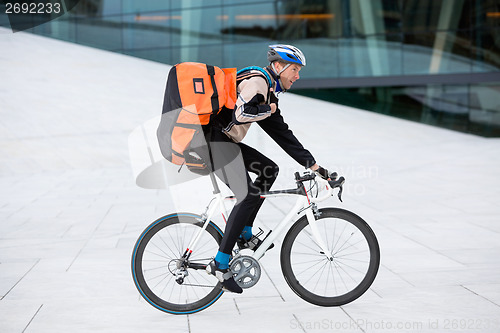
<point>286,53</point>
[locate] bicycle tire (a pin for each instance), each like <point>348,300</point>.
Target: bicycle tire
<point>356,237</point>
<point>155,253</point>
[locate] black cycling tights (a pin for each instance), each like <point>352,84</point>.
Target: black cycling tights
<point>233,163</point>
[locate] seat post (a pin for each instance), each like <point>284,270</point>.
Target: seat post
<point>212,175</point>
<point>214,183</point>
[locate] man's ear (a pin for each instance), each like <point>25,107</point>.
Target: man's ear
<point>277,66</point>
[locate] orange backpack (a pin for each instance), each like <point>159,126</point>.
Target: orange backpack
<point>194,94</point>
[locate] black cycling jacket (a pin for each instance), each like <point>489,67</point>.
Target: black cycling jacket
<point>276,127</point>
<point>279,131</point>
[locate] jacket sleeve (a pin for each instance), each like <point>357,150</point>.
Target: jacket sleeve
<point>249,105</point>
<point>278,130</point>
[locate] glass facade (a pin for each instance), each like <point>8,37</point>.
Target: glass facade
<point>439,56</point>
<point>470,108</point>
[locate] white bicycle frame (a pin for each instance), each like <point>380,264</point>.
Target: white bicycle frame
<point>303,206</point>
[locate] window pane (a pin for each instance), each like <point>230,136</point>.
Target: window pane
<point>63,28</point>
<point>371,17</point>
<point>486,50</point>
<point>4,19</point>
<point>392,12</point>
<point>185,4</point>
<point>149,30</point>
<point>283,20</point>
<point>196,27</point>
<point>485,110</point>
<point>370,56</point>
<point>322,58</point>
<point>432,15</point>
<point>245,54</point>
<point>96,8</point>
<point>101,33</point>
<point>163,55</point>
<point>248,23</point>
<point>485,14</point>
<point>435,53</point>
<point>134,6</point>
<point>210,54</point>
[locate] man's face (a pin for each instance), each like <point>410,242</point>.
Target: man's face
<point>290,75</point>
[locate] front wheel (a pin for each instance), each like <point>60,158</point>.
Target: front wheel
<point>333,280</point>
<point>162,274</point>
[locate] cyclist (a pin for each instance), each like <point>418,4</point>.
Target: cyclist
<point>257,103</point>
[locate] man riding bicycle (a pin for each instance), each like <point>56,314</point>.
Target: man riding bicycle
<point>256,103</point>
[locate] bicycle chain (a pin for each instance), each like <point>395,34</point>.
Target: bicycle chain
<point>197,285</point>
<point>190,284</point>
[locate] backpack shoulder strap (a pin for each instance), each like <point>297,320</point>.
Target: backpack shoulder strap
<point>261,70</point>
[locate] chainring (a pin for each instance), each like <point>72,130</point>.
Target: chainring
<point>246,271</point>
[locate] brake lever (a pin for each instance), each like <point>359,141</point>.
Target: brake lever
<point>340,193</point>
<point>338,184</point>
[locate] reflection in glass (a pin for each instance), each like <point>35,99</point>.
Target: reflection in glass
<point>468,108</point>
<point>484,107</point>
<point>435,53</point>
<point>370,56</point>
<point>485,50</point>
<point>342,39</point>
<point>141,31</point>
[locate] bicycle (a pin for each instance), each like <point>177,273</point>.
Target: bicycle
<point>170,257</point>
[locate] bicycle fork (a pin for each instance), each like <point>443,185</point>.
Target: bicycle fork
<point>316,235</point>
<point>302,205</point>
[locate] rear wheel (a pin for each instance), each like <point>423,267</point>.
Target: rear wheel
<point>162,275</point>
<point>337,280</point>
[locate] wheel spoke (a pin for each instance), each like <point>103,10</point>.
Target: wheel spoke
<point>341,265</point>
<point>165,275</point>
<point>323,280</point>
<point>350,245</point>
<point>159,255</point>
<point>340,276</point>
<point>165,267</point>
<point>200,250</point>
<point>340,236</point>
<point>163,254</point>
<point>157,261</point>
<point>350,254</point>
<point>174,253</point>
<point>330,271</point>
<point>309,267</point>
<point>319,275</point>
<point>307,246</point>
<point>192,287</point>
<point>313,275</point>
<point>310,254</point>
<point>308,261</point>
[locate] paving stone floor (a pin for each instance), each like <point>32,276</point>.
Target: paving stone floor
<point>70,209</point>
